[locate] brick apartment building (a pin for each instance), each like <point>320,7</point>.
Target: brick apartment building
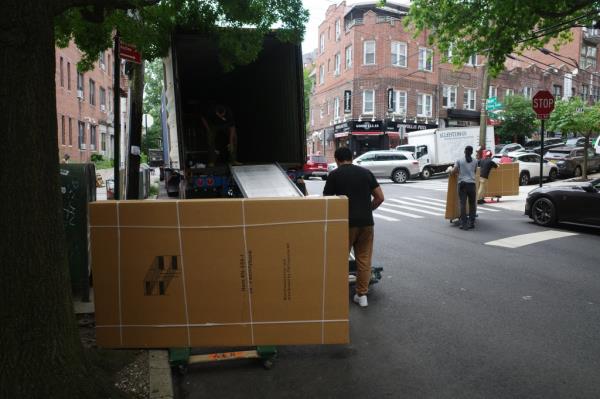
<point>84,105</point>
<point>375,81</point>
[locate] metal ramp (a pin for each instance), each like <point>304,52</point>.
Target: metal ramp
<point>260,181</point>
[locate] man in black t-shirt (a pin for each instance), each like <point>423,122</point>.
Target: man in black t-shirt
<point>220,128</point>
<point>364,196</point>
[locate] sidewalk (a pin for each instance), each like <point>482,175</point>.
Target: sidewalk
<point>517,202</point>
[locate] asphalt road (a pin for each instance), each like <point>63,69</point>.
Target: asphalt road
<point>451,318</point>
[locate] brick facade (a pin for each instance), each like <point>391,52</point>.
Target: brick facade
<point>420,76</point>
<point>84,105</point>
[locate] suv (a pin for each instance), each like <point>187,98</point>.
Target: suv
<point>570,160</point>
<point>549,143</point>
<point>501,149</point>
<point>529,167</point>
<point>396,165</point>
<point>316,165</point>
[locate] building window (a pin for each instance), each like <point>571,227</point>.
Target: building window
<point>80,85</point>
<point>108,65</point>
<point>472,61</point>
<point>102,93</point>
<point>109,100</point>
<point>348,57</point>
<point>425,59</point>
<point>81,135</point>
<point>63,130</point>
<point>322,74</point>
<point>492,91</point>
<point>368,102</point>
<point>92,92</point>
<point>61,70</point>
<point>93,137</point>
<point>509,92</point>
<point>527,92</point>
<point>399,54</point>
<point>103,141</point>
<point>68,76</point>
<point>588,56</point>
<point>336,108</point>
<point>424,105</point>
<point>585,91</point>
<point>369,52</point>
<point>337,63</point>
<point>469,99</point>
<point>338,30</point>
<point>70,132</point>
<point>557,91</point>
<point>449,97</point>
<point>400,101</point>
<point>448,54</point>
<point>102,60</point>
<point>322,42</point>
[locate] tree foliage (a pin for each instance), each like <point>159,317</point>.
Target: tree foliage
<point>518,119</point>
<point>496,28</point>
<point>153,82</point>
<point>573,115</point>
<point>309,83</point>
<point>148,24</point>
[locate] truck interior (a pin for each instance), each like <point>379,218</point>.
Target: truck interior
<point>265,96</point>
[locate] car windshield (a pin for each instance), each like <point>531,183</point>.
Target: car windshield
<point>410,148</point>
<point>532,144</point>
<point>558,154</point>
<point>572,142</point>
<point>317,159</point>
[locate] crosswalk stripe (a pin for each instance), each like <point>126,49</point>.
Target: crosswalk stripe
<point>389,219</point>
<point>416,209</point>
<point>483,207</point>
<point>410,202</point>
<point>426,202</point>
<point>527,239</point>
<point>410,215</point>
<point>431,199</point>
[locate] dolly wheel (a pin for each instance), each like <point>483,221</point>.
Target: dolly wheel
<point>267,364</point>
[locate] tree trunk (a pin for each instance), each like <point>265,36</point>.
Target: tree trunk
<point>135,131</point>
<point>41,351</point>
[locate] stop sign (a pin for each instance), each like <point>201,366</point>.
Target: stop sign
<point>543,104</point>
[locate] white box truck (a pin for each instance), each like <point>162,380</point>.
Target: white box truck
<point>436,149</point>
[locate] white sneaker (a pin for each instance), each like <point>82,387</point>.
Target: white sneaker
<point>351,278</point>
<point>361,300</point>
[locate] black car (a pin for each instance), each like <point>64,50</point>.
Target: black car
<point>579,204</point>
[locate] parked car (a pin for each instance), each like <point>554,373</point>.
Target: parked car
<point>569,204</point>
<point>316,165</point>
<point>506,148</point>
<point>529,167</point>
<point>331,167</point>
<point>597,145</point>
<point>570,160</point>
<point>396,165</point>
<point>575,142</point>
<point>549,143</point>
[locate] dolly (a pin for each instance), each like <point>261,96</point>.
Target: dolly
<point>181,358</point>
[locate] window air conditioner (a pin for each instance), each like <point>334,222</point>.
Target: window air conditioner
<point>79,93</point>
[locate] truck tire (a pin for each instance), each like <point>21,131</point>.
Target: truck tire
<point>524,179</point>
<point>400,175</point>
<point>426,174</point>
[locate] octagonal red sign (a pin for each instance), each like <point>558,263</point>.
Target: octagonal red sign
<point>543,104</point>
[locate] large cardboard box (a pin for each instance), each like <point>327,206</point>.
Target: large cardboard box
<point>503,180</point>
<point>220,272</point>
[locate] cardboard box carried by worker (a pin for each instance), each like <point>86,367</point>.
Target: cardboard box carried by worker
<point>228,272</point>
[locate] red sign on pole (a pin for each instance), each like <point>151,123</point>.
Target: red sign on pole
<point>129,53</point>
<point>543,104</point>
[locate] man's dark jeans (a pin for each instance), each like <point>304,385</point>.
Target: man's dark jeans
<point>467,191</point>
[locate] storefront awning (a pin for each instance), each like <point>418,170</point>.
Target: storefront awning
<point>367,133</point>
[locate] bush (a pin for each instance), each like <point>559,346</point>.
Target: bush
<point>153,190</point>
<point>95,158</point>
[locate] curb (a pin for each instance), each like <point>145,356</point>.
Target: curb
<point>160,382</point>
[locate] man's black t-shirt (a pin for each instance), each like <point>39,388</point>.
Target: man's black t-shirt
<point>215,121</point>
<point>357,184</point>
<point>486,166</point>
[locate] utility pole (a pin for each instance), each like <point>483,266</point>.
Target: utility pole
<point>485,87</point>
<point>117,116</point>
<point>135,130</point>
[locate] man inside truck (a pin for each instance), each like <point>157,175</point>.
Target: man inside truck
<point>364,196</point>
<point>221,133</point>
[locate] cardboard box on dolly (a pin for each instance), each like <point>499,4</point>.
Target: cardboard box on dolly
<point>228,272</point>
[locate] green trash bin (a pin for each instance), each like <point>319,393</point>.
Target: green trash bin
<point>78,188</point>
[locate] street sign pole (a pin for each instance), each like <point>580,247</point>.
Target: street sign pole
<point>542,153</point>
<point>117,117</point>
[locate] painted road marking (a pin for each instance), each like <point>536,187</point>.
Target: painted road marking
<point>410,215</point>
<point>528,239</point>
<point>411,203</point>
<point>415,209</point>
<point>389,219</point>
<point>432,199</point>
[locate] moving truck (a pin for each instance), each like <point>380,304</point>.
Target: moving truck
<point>266,98</point>
<point>436,149</point>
